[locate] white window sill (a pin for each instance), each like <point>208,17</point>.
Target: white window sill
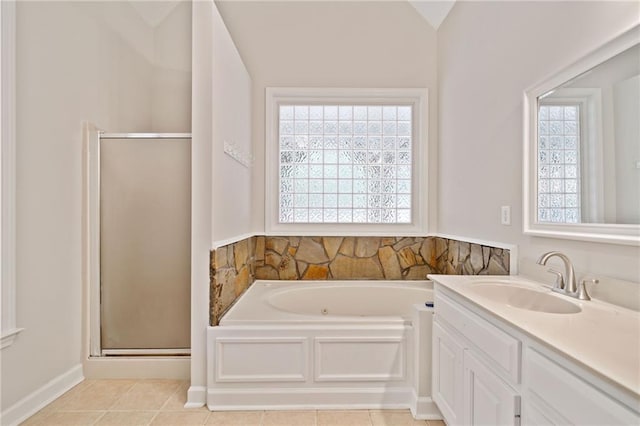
<point>8,337</point>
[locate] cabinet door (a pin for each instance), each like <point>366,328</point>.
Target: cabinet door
<point>447,375</point>
<point>533,415</point>
<point>487,399</point>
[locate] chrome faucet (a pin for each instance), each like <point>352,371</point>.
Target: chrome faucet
<point>567,284</point>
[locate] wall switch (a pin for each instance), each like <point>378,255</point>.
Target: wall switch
<point>505,215</point>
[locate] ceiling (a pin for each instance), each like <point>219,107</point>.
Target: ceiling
<point>153,12</point>
<point>434,11</point>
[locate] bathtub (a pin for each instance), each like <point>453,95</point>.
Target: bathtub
<point>324,345</point>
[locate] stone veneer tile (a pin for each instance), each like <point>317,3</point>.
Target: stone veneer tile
<point>279,245</point>
<point>407,258</point>
<point>332,245</point>
<point>311,251</point>
<point>390,264</point>
<point>259,255</point>
<point>356,268</point>
<point>348,246</point>
<point>287,270</point>
<point>266,273</point>
<point>236,266</point>
<point>316,272</point>
<point>232,271</point>
<point>367,246</point>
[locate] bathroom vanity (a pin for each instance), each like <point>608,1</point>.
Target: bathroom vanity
<point>508,351</point>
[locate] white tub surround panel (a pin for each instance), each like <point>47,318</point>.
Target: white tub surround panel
<point>577,368</point>
<point>271,352</point>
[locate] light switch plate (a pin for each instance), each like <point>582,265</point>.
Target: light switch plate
<point>505,215</point>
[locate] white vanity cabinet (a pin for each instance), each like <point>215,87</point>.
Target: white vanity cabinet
<point>475,366</point>
<point>555,395</point>
<point>488,372</point>
<point>487,399</point>
<point>447,374</point>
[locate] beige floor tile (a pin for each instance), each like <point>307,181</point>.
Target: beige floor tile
<point>136,402</point>
<point>91,400</point>
<point>112,385</point>
<point>71,418</point>
<point>161,384</point>
<point>60,402</point>
<point>180,418</point>
<point>394,418</point>
<point>289,418</point>
<point>126,418</point>
<point>37,419</point>
<point>344,418</point>
<point>235,418</point>
<point>147,395</point>
<point>92,396</point>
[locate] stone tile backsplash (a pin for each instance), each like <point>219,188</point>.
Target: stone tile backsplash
<point>236,266</point>
<point>232,271</point>
<point>373,258</point>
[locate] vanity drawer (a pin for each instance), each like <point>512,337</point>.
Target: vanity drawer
<point>497,345</point>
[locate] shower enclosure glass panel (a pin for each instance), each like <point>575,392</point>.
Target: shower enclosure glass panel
<point>145,219</point>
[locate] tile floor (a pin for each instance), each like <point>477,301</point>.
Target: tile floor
<point>161,402</point>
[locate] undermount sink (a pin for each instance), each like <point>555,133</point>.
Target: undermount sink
<point>525,298</point>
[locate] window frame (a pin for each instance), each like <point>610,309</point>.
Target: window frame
<point>416,97</point>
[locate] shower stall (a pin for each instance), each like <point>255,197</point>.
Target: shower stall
<point>139,187</point>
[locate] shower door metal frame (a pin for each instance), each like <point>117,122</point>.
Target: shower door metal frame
<point>92,231</point>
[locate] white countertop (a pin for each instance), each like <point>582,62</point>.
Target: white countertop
<point>604,338</point>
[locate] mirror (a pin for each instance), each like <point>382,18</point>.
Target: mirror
<point>582,147</point>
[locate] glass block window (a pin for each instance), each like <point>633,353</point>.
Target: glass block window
<point>345,163</point>
<point>559,163</point>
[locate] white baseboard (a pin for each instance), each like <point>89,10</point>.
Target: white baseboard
<point>424,408</point>
<point>196,397</point>
<point>32,403</point>
<point>305,398</point>
<point>137,368</point>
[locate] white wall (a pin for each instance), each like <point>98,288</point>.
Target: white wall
<point>330,44</point>
<point>164,42</point>
<point>171,96</point>
<point>231,117</point>
<point>69,68</point>
<point>75,61</point>
<point>488,54</point>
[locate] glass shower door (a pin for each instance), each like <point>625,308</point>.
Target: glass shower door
<point>145,220</point>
